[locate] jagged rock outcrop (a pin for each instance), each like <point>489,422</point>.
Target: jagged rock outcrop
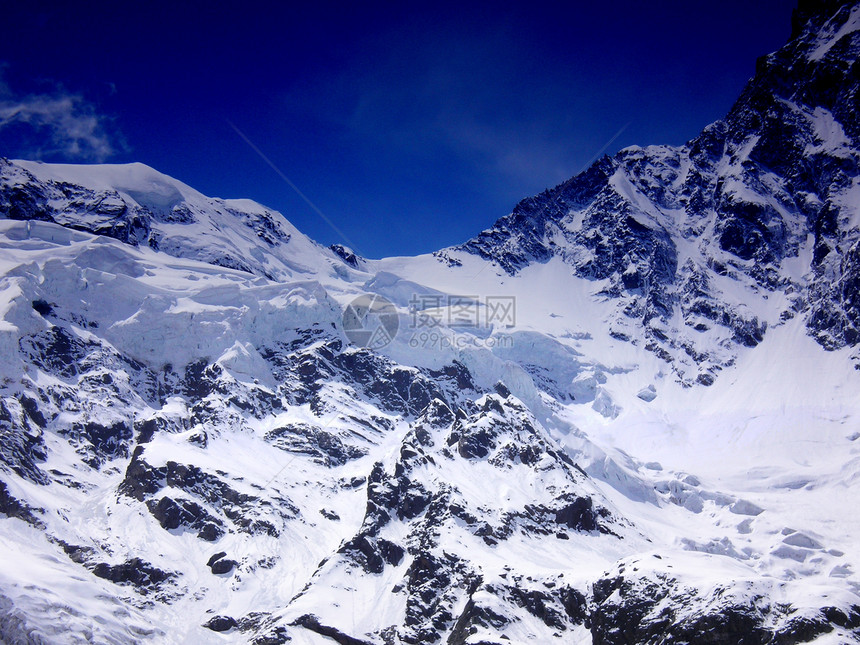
<point>681,230</point>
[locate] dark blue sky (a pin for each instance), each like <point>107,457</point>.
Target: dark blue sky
<point>412,126</point>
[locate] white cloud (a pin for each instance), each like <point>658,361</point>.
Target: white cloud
<point>59,124</point>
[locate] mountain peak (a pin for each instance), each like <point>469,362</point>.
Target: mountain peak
<point>817,10</point>
<point>136,204</point>
<point>764,197</point>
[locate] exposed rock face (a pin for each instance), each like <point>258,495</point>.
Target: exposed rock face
<point>220,623</point>
<point>135,572</point>
<point>638,609</point>
<point>417,496</point>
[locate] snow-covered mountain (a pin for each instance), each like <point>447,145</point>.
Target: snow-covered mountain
<point>628,412</point>
<point>695,242</point>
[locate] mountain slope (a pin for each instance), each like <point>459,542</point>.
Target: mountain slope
<point>762,204</point>
<point>627,413</point>
<point>142,207</point>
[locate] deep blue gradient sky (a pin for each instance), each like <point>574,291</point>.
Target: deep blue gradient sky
<point>411,125</point>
